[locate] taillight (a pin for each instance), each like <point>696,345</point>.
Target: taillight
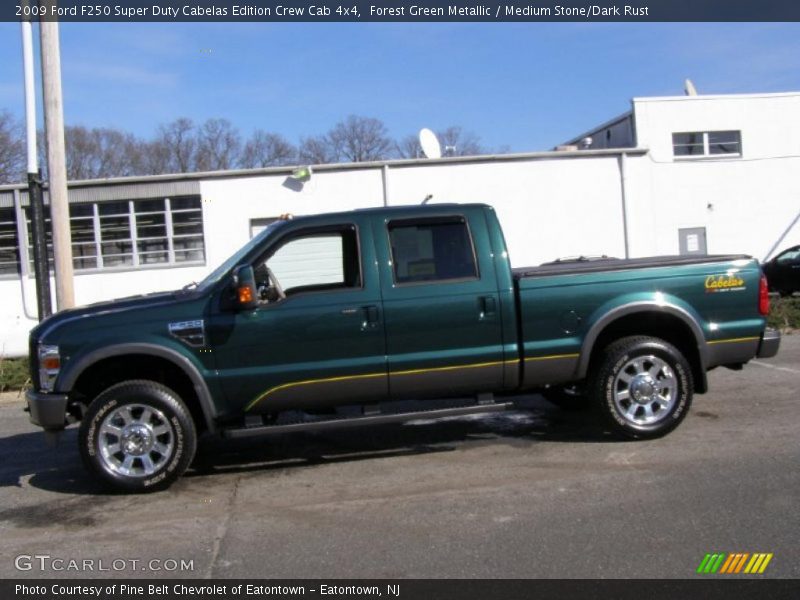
<point>763,296</point>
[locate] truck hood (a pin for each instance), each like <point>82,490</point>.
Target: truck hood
<point>104,308</point>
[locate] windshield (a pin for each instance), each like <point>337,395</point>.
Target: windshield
<point>237,257</point>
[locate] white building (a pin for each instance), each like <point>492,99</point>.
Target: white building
<point>680,174</point>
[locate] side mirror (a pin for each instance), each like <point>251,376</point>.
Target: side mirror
<point>244,287</point>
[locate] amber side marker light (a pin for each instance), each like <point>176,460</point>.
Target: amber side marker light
<point>51,363</point>
<point>245,294</point>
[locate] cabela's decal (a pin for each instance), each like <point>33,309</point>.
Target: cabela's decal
<point>724,283</point>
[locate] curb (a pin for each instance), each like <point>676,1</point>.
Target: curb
<point>12,397</point>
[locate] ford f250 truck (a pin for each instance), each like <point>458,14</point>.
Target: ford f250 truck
<point>336,320</point>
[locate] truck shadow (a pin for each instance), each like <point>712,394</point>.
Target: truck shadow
<point>28,459</point>
<point>536,421</point>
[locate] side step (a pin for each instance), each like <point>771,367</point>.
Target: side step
<point>379,419</point>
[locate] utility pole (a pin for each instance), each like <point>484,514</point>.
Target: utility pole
<point>56,162</point>
<point>40,266</point>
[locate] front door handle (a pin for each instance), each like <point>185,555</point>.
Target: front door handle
<point>488,306</point>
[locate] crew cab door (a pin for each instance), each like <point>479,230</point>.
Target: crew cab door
<point>440,303</point>
<point>322,344</point>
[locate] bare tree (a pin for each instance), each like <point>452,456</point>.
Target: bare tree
<point>409,147</point>
<point>267,150</point>
<point>12,149</point>
<point>359,139</point>
<point>317,150</point>
<point>152,157</point>
<point>218,145</point>
<point>177,147</point>
<point>457,142</point>
<point>99,152</point>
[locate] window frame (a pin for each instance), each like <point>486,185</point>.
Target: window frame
<point>460,219</point>
<point>290,236</point>
<point>706,155</point>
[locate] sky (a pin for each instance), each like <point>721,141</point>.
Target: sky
<point>519,87</point>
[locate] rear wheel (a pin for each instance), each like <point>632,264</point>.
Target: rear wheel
<point>642,387</point>
<point>138,436</point>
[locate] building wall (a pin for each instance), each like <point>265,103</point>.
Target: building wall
<point>549,208</point>
<point>230,204</point>
<point>746,203</point>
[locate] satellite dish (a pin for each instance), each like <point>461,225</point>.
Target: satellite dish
<point>689,88</point>
<point>429,143</point>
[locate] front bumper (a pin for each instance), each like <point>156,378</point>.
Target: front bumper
<point>770,342</point>
<point>48,411</point>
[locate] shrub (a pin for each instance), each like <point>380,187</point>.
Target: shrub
<point>13,374</point>
<point>784,313</point>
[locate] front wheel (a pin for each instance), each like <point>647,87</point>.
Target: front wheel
<point>138,436</point>
<point>642,387</point>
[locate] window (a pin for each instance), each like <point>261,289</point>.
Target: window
<point>789,257</point>
<point>432,250</point>
<point>707,143</point>
<point>316,261</point>
<point>9,250</point>
<point>131,233</point>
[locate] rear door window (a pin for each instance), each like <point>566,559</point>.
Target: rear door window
<point>437,249</point>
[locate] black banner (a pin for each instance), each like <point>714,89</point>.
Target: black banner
<point>406,589</point>
<point>638,11</point>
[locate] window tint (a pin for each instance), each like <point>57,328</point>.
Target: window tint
<point>788,257</point>
<point>315,262</point>
<point>433,250</point>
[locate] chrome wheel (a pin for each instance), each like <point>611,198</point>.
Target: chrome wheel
<point>645,390</point>
<point>135,440</point>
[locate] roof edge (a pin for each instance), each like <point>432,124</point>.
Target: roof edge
<point>395,163</point>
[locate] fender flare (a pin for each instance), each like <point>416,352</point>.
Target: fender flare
<point>641,307</point>
<point>74,370</point>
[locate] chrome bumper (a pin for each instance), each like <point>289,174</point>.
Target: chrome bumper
<point>770,342</point>
<point>48,411</point>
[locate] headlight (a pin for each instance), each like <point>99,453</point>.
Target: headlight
<point>49,365</point>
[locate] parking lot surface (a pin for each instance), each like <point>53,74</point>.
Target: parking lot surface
<point>532,493</point>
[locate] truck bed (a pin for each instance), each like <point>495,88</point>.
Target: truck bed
<point>575,267</point>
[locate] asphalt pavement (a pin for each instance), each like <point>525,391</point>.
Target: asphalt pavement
<point>532,493</point>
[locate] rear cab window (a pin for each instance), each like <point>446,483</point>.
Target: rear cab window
<point>435,249</point>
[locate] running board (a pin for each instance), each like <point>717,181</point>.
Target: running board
<point>382,419</point>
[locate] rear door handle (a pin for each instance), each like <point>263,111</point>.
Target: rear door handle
<point>370,317</point>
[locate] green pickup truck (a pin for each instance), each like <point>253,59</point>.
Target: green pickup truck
<point>348,319</point>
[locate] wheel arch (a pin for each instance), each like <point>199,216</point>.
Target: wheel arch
<point>176,368</point>
<point>669,322</point>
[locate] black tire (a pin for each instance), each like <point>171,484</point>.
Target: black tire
<point>162,443</point>
<point>570,398</point>
<point>667,395</point>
